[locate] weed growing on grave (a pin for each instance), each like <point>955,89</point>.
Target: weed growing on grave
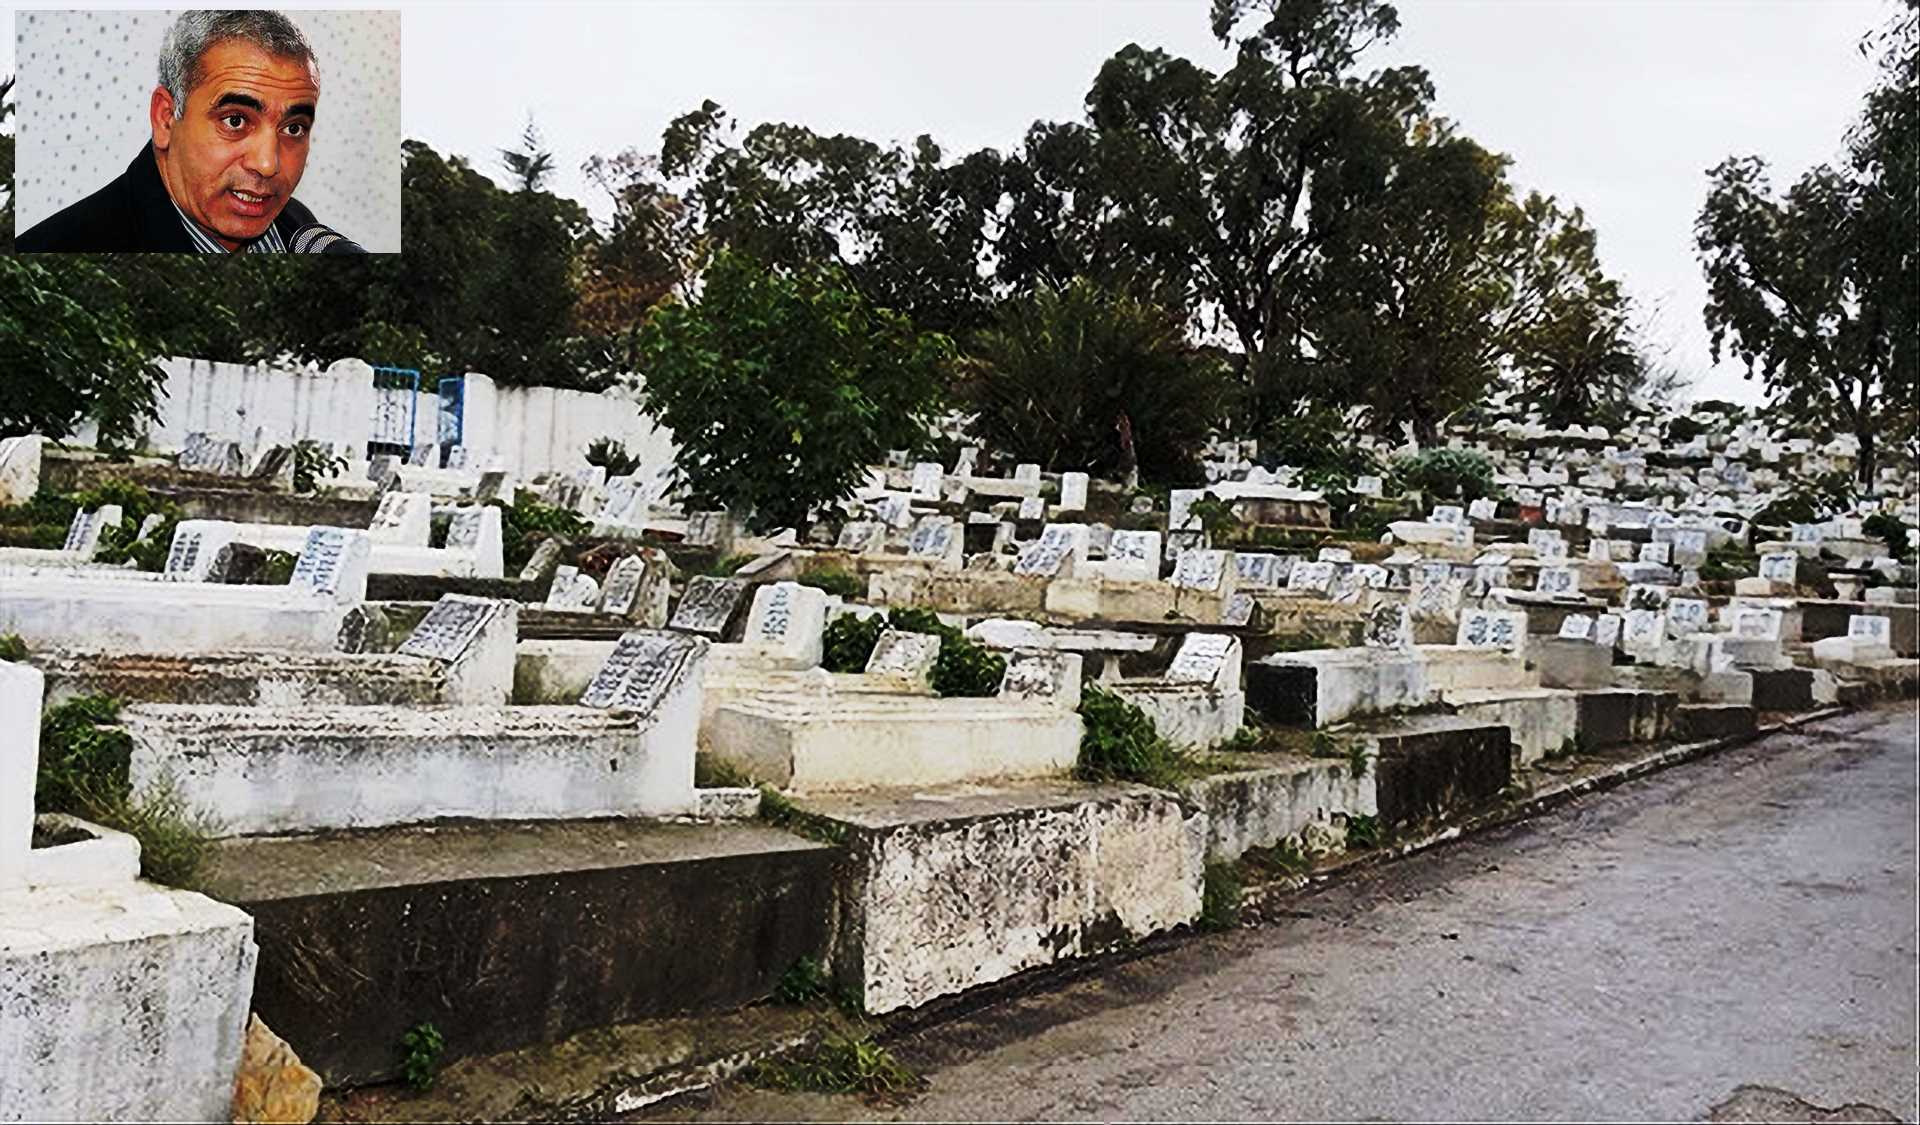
<point>420,1051</point>
<point>776,809</point>
<point>83,772</point>
<point>835,580</point>
<point>1880,525</point>
<point>1219,897</point>
<point>804,982</point>
<point>612,456</point>
<point>1285,858</point>
<point>524,523</point>
<point>13,648</point>
<point>121,542</point>
<point>963,668</point>
<point>1363,831</point>
<point>843,1063</point>
<point>710,772</point>
<point>311,461</point>
<point>1119,743</point>
<point>1323,745</point>
<point>848,642</point>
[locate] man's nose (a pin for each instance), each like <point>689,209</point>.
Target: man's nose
<point>262,154</point>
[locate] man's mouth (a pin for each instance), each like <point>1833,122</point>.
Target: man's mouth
<point>249,203</point>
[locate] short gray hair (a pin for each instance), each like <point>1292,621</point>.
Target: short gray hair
<point>190,36</point>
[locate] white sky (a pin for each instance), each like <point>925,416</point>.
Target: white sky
<point>1619,106</point>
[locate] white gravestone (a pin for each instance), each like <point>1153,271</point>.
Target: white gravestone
<point>1782,567</point>
<point>936,538</point>
<point>20,694</point>
<point>1180,503</point>
<point>1368,485</point>
<point>1201,570</point>
<point>966,461</point>
<point>1027,473</point>
<point>1316,577</point>
<point>708,606</point>
<point>1505,630</point>
<point>861,536</point>
<point>572,591</point>
<point>404,518</point>
<point>1643,633</point>
<point>1560,581</point>
<point>1606,630</point>
<point>1547,545</point>
<point>1047,675</point>
<point>643,669</point>
<point>1437,601</point>
<point>1133,556</point>
<point>475,532</point>
<point>1261,572</point>
<point>333,564</point>
<point>786,621</point>
<point>1661,553</point>
<point>1389,625</point>
<point>1871,630</point>
<point>1031,508</point>
<point>20,469</point>
<point>1482,509</point>
<point>623,585</point>
<point>1756,623</point>
<point>1576,627</point>
<point>1339,555</point>
<point>1687,615</point>
<point>1208,659</point>
<point>900,655</point>
<point>1599,550</point>
<point>1073,492</point>
<point>1452,514</point>
<point>926,480</point>
<point>83,534</point>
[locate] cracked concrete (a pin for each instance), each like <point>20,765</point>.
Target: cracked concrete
<point>1731,939</point>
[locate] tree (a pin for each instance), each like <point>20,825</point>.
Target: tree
<point>781,387</point>
<point>1815,290</point>
<point>1078,378</point>
<point>70,349</point>
<point>644,256</point>
<point>531,163</point>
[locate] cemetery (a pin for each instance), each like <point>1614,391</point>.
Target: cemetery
<point>609,757</point>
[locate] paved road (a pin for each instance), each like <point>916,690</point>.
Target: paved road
<point>1744,920</point>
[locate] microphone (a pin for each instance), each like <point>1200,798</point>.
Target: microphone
<point>315,238</point>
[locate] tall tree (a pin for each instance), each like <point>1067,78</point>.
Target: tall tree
<point>1815,289</point>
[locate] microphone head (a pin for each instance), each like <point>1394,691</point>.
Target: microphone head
<point>317,239</point>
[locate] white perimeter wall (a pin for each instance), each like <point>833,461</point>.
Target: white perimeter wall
<point>535,429</point>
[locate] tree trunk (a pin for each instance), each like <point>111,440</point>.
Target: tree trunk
<point>1864,432</point>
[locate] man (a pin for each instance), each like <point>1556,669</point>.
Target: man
<point>232,119</point>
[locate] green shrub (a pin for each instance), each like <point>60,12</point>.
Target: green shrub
<point>1444,474</point>
<point>12,648</point>
<point>176,838</point>
<point>1118,742</point>
<point>848,642</point>
<point>612,456</point>
<point>1219,897</point>
<point>843,1063</point>
<point>804,982</point>
<point>524,523</point>
<point>311,461</point>
<point>963,668</point>
<point>1880,525</point>
<point>834,580</point>
<point>1363,831</point>
<point>420,1051</point>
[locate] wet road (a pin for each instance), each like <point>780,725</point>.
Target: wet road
<point>1743,920</point>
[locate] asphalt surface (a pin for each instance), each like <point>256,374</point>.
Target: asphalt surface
<point>1734,938</point>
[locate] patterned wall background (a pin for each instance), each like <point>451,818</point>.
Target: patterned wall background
<point>84,80</point>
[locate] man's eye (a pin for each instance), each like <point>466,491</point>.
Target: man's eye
<point>233,121</point>
<point>296,130</point>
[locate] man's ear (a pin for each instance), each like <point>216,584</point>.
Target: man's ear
<point>160,115</point>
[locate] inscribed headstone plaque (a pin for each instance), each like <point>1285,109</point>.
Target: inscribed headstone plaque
<point>421,456</point>
<point>1314,576</point>
<point>1180,503</point>
<point>464,528</point>
<point>643,668</point>
<point>449,628</point>
<point>1783,567</point>
<point>932,537</point>
<point>457,457</point>
<point>1871,629</point>
<point>1239,609</point>
<point>861,536</point>
<point>1200,570</point>
<point>708,606</point>
<point>1489,628</point>
<point>1557,580</point>
<point>1448,514</point>
<point>902,655</point>
<point>1687,615</point>
<point>1212,659</point>
<point>1073,492</point>
<point>542,560</point>
<point>1482,509</point>
<point>1576,627</point>
<point>1334,555</point>
<point>926,480</point>
<point>1606,630</point>
<point>80,529</point>
<point>1548,545</point>
<point>1368,485</point>
<point>1032,508</point>
<point>1661,553</point>
<point>1600,550</point>
<point>623,584</point>
<point>1133,556</point>
<point>184,553</point>
<point>1643,632</point>
<point>1389,625</point>
<point>1258,571</point>
<point>1808,532</point>
<point>1757,623</point>
<point>1041,674</point>
<point>1044,557</point>
<point>333,563</point>
<point>572,590</point>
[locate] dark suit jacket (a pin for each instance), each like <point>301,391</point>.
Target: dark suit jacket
<point>133,213</point>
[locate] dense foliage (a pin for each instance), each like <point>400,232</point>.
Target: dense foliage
<point>963,668</point>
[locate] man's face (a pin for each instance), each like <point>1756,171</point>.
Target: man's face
<point>233,158</point>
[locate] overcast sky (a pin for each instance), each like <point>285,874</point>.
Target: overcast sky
<point>1619,107</point>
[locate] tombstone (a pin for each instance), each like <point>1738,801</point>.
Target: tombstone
<point>458,628</point>
<point>1659,553</point>
<point>1643,596</point>
<point>1437,601</point>
<point>1451,514</point>
<point>1052,555</point>
<point>1099,538</point>
<point>1560,581</point>
<point>1027,473</point>
<point>1334,555</point>
<point>423,456</point>
<point>936,538</point>
<point>1180,503</point>
<point>1757,623</point>
<point>20,469</point>
<point>710,529</point>
<point>1576,627</point>
<point>1482,509</point>
<point>966,461</point>
<point>1261,571</point>
<point>1782,567</point>
<point>1643,633</point>
<point>1390,626</point>
<point>83,534</point>
<point>148,526</point>
<point>1047,675</point>
<point>1600,550</point>
<point>475,531</point>
<point>333,564</point>
<point>901,655</point>
<point>926,480</point>
<point>21,691</point>
<point>542,561</point>
<point>1208,659</point>
<point>1202,570</point>
<point>275,464</point>
<point>622,588</point>
<point>1687,615</point>
<point>643,669</point>
<point>1368,486</point>
<point>1871,630</point>
<point>1808,533</point>
<point>1133,556</point>
<point>384,469</point>
<point>457,457</point>
<point>1548,545</point>
<point>572,591</point>
<point>709,606</point>
<point>895,511</point>
<point>195,545</point>
<point>1239,609</point>
<point>861,536</point>
<point>1505,630</point>
<point>786,621</point>
<point>1032,510</point>
<point>1316,577</point>
<point>1073,492</point>
<point>403,518</point>
<point>1606,630</point>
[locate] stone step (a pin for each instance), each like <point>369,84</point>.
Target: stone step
<point>1430,766</point>
<point>1542,721</point>
<point>1783,689</point>
<point>1616,716</point>
<point>1277,797</point>
<point>512,934</point>
<point>951,888</point>
<point>1700,721</point>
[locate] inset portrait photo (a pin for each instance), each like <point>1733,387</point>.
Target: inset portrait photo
<point>208,132</point>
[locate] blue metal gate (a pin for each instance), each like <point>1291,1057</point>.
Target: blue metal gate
<point>396,395</point>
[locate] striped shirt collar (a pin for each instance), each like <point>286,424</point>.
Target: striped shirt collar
<point>204,243</point>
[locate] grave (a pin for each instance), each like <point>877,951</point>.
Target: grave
<point>1198,701</point>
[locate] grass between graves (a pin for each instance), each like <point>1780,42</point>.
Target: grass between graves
<point>835,580</point>
<point>83,772</point>
<point>1118,742</point>
<point>1258,738</point>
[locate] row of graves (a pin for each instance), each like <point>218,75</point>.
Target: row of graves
<point>490,821</point>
